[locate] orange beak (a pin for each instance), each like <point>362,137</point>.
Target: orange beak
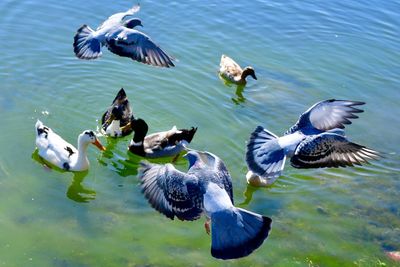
<point>99,145</point>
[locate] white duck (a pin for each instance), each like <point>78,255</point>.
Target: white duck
<point>62,154</point>
<point>232,72</point>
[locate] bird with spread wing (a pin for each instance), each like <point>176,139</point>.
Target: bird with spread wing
<point>122,39</point>
<point>206,188</point>
<point>316,140</point>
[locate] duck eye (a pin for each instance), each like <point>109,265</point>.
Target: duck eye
<point>90,133</point>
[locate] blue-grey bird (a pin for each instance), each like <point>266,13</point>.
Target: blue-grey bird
<point>206,188</point>
<point>122,39</point>
<point>316,140</point>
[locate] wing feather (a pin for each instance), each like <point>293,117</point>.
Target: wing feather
<point>330,150</point>
<point>170,191</point>
<point>327,115</point>
<point>138,46</point>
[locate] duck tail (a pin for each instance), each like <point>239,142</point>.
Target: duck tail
<point>187,135</point>
<point>236,232</point>
<point>86,46</point>
<point>264,156</point>
<point>121,95</point>
<point>40,128</point>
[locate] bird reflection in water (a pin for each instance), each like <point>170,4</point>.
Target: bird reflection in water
<point>239,95</point>
<point>248,195</point>
<point>76,191</point>
<point>239,99</point>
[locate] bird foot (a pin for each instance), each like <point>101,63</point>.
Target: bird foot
<point>207,226</point>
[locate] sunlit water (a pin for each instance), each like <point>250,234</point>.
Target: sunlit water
<point>302,52</point>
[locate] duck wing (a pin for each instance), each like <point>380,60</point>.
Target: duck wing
<point>120,100</point>
<point>52,147</point>
<point>330,150</point>
<point>138,46</point>
<point>327,115</point>
<point>170,191</point>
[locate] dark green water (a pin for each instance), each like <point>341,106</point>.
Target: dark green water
<point>302,52</point>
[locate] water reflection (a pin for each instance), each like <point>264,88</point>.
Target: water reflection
<point>76,191</point>
<point>239,99</point>
<point>248,195</point>
<point>239,95</point>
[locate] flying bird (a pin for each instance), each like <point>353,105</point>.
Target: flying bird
<point>316,140</point>
<point>206,188</point>
<point>122,39</point>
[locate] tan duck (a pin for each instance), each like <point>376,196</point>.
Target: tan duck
<point>232,72</point>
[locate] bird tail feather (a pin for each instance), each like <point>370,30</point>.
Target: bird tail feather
<point>264,155</point>
<point>38,125</point>
<point>86,46</point>
<point>236,232</point>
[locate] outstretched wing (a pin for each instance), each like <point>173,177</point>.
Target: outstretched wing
<point>330,150</point>
<point>118,17</point>
<point>327,115</point>
<point>138,46</point>
<point>170,191</point>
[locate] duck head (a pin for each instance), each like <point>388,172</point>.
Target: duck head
<point>116,114</point>
<point>132,23</point>
<point>249,71</point>
<point>88,137</point>
<point>140,128</point>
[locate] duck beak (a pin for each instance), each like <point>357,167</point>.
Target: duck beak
<point>126,127</point>
<point>99,145</point>
<point>110,119</point>
<point>254,76</point>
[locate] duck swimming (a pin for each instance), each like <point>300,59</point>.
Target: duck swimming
<point>161,144</point>
<point>62,154</point>
<point>118,115</point>
<point>122,39</point>
<point>316,140</point>
<point>231,71</point>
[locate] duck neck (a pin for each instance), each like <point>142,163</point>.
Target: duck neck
<point>246,72</point>
<point>137,146</point>
<point>82,161</point>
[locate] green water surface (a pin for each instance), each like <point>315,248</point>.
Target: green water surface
<point>302,51</point>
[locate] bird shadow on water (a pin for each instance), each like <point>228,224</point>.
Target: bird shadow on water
<point>76,191</point>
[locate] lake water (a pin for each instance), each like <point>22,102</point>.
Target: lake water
<point>302,51</point>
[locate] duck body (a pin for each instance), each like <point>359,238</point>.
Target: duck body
<point>117,116</point>
<point>62,154</point>
<point>122,39</point>
<point>232,72</point>
<point>316,140</point>
<point>205,189</point>
<point>161,144</point>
